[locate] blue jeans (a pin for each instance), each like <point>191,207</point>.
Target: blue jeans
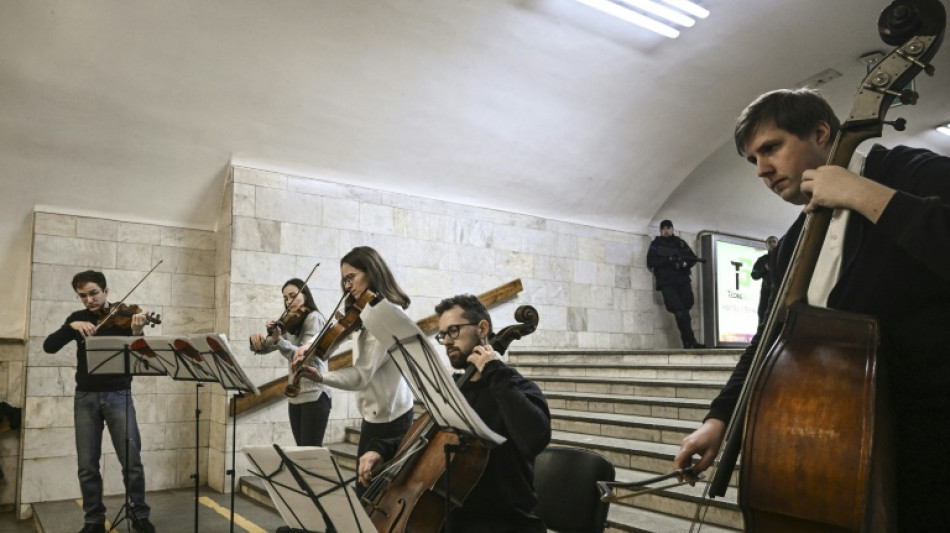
<point>92,410</point>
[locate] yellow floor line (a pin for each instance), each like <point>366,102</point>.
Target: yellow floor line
<point>239,520</point>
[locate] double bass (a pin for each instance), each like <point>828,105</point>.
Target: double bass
<point>817,452</point>
<point>408,493</point>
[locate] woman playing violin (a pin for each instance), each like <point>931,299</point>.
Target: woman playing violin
<point>309,410</point>
<point>383,397</point>
<point>102,400</point>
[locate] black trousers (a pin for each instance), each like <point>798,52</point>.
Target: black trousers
<point>308,421</point>
<point>678,299</point>
<point>369,431</point>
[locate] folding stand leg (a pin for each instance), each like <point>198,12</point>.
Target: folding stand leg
<point>197,476</point>
<point>123,513</point>
<point>233,471</point>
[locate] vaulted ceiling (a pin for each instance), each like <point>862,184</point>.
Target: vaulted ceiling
<point>134,109</point>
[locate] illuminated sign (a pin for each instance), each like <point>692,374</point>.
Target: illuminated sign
<point>730,295</point>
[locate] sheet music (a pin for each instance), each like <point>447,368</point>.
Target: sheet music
<point>425,370</point>
<point>321,474</point>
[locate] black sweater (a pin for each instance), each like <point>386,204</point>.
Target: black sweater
<point>504,497</point>
<point>84,382</point>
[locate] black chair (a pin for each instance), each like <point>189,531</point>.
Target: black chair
<point>568,499</point>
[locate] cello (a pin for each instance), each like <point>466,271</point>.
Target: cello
<point>408,493</point>
<point>818,451</point>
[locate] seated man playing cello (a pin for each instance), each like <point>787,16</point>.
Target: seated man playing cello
<point>512,406</point>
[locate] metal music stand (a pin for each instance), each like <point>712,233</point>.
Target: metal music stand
<point>308,489</point>
<point>124,356</point>
<point>202,358</point>
<point>430,380</point>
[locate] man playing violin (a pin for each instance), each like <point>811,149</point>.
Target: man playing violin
<point>102,400</point>
<point>512,406</point>
<point>885,254</point>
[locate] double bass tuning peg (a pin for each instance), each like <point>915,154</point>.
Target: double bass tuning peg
<point>898,124</point>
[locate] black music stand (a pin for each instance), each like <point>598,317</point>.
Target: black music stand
<point>308,489</point>
<point>202,358</point>
<point>428,376</point>
<point>125,356</point>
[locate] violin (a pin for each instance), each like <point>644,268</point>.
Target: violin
<point>331,337</point>
<point>291,320</point>
<point>121,317</point>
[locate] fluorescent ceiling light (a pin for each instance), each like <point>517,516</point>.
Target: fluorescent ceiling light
<point>633,17</point>
<point>944,129</point>
<point>661,11</point>
<point>688,7</point>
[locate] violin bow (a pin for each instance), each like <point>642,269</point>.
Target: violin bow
<point>115,306</point>
<point>607,488</point>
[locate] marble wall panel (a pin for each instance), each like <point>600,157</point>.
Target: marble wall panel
<point>54,282</point>
<point>49,442</point>
<point>47,412</point>
<point>226,209</point>
<point>591,249</point>
<point>262,268</point>
<point>567,246</point>
<point>155,290</point>
<point>222,255</point>
<point>255,234</point>
<point>377,219</point>
<point>56,381</point>
<point>506,237</point>
<point>133,256</point>
<point>341,213</point>
<point>48,316</point>
<point>251,301</point>
<point>48,481</point>
<point>183,260</point>
<point>54,224</point>
<point>72,251</point>
<point>187,320</point>
<point>553,268</point>
<point>539,242</point>
<point>188,238</point>
<point>243,200</point>
<point>37,357</point>
<point>192,291</point>
<point>299,239</point>
<point>96,228</point>
<point>288,206</point>
<point>260,178</point>
<point>139,233</point>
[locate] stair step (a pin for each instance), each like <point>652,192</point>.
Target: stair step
<point>719,373</point>
<point>677,408</point>
<point>712,356</point>
<point>632,427</point>
<point>621,518</point>
<point>630,387</point>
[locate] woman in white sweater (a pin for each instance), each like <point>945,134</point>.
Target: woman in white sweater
<point>383,396</point>
<point>309,410</point>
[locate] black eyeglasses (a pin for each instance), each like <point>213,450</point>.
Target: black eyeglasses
<point>87,295</point>
<point>452,332</point>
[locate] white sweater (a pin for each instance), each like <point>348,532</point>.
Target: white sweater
<point>382,393</point>
<point>310,390</point>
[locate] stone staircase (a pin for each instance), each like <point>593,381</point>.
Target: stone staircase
<point>632,407</point>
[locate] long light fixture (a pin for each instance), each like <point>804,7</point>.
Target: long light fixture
<point>633,17</point>
<point>652,10</point>
<point>688,7</point>
<point>661,11</point>
<point>945,129</point>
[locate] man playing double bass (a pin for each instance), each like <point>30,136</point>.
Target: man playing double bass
<point>885,254</point>
<point>512,406</point>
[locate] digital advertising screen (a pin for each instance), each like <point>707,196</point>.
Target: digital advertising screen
<point>730,295</point>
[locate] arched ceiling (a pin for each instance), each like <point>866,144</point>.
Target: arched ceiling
<point>134,109</point>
